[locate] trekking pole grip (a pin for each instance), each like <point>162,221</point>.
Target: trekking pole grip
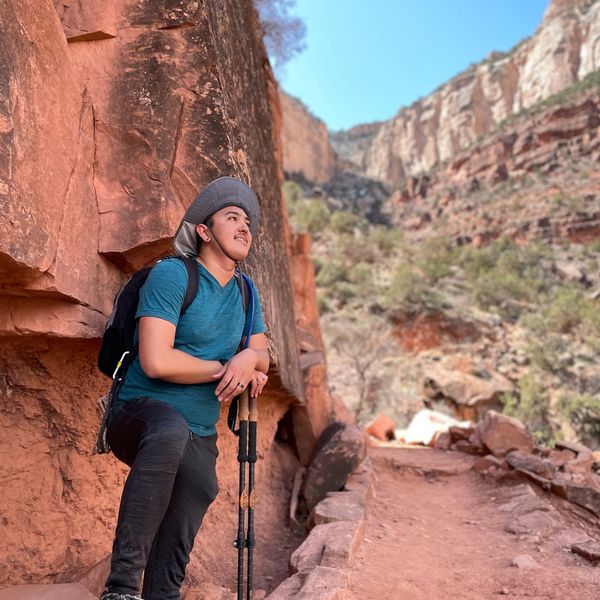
<point>243,412</point>
<point>252,424</point>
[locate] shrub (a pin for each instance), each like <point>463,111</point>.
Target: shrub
<point>343,222</point>
<point>409,290</point>
<point>292,193</point>
<point>583,413</point>
<point>506,277</point>
<point>361,274</point>
<point>436,258</point>
<point>386,239</point>
<point>531,406</point>
<point>332,272</point>
<point>548,352</point>
<point>323,304</point>
<point>311,215</point>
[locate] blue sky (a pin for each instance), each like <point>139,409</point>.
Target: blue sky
<point>365,59</point>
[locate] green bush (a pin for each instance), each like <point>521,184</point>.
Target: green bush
<point>292,192</point>
<point>356,247</point>
<point>331,273</point>
<point>435,259</point>
<point>343,222</point>
<point>548,352</point>
<point>385,239</point>
<point>345,291</point>
<point>531,406</point>
<point>566,309</point>
<point>506,277</point>
<point>311,215</point>
<point>361,274</point>
<point>409,290</point>
<point>323,304</point>
<point>583,413</point>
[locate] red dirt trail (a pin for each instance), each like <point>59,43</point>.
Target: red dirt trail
<point>436,530</point>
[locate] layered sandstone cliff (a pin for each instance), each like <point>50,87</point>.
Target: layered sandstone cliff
<point>564,49</point>
<point>111,120</point>
<point>306,147</point>
<point>441,126</point>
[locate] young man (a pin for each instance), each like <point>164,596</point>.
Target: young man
<point>163,424</point>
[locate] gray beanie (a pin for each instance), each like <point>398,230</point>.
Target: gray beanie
<point>222,192</point>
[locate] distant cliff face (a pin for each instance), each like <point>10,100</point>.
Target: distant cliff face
<point>306,148</point>
<point>564,49</point>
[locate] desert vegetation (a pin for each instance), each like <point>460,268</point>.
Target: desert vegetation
<point>536,306</point>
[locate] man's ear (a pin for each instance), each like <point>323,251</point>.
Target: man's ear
<point>203,231</point>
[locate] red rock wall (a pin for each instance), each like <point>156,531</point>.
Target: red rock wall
<point>111,120</point>
<point>306,147</point>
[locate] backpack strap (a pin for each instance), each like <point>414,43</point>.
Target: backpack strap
<point>193,281</point>
<point>243,282</point>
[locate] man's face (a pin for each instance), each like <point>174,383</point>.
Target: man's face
<point>231,226</point>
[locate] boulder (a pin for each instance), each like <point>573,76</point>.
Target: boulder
<point>518,459</point>
<point>339,451</point>
<point>585,496</point>
<point>589,550</point>
<point>500,434</point>
<point>469,394</point>
<point>531,523</point>
<point>382,428</point>
<point>524,561</point>
<point>426,424</point>
<point>485,463</point>
<point>571,536</point>
<point>338,506</point>
<point>320,583</point>
<point>330,545</point>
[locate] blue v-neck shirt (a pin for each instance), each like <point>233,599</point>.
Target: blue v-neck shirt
<point>211,329</point>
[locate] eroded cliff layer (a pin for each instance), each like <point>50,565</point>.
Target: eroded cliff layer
<point>564,49</point>
<point>306,147</point>
<point>112,118</point>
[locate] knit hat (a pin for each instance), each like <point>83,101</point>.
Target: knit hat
<point>222,192</point>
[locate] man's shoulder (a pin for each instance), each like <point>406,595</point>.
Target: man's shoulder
<point>171,265</point>
<point>169,272</point>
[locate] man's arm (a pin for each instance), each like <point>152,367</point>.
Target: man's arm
<point>160,360</point>
<point>258,343</point>
<point>240,368</point>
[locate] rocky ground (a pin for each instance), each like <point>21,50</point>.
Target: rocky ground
<point>437,529</point>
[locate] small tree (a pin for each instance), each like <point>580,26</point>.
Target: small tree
<point>364,346</point>
<point>283,34</point>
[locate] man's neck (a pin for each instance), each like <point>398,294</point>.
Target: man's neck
<point>220,267</point>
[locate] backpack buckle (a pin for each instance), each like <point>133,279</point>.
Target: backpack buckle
<point>119,364</point>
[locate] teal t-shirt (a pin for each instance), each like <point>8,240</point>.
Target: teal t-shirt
<point>211,329</point>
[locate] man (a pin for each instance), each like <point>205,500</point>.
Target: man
<point>163,424</point>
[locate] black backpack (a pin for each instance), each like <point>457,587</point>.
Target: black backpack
<point>118,350</point>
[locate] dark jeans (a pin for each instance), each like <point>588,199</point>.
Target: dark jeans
<point>171,484</point>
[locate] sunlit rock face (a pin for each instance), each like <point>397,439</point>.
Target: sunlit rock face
<point>563,50</point>
<point>306,148</point>
<point>111,121</point>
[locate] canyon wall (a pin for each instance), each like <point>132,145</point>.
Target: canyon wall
<point>306,147</point>
<point>450,121</point>
<point>564,49</point>
<point>112,119</point>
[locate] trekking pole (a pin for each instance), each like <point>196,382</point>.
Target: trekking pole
<point>252,425</point>
<point>243,499</point>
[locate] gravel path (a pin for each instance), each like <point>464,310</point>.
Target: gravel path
<point>437,530</point>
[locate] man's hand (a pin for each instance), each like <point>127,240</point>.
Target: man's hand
<point>257,383</point>
<point>236,375</point>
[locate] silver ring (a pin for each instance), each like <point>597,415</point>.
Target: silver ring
<point>241,385</point>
